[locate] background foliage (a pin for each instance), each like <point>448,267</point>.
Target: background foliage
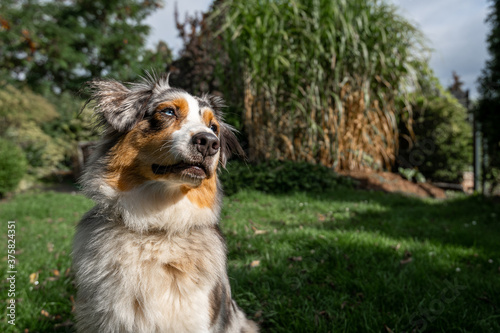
<point>204,64</point>
<point>440,148</point>
<point>58,45</point>
<point>280,177</point>
<point>46,133</point>
<point>488,107</point>
<point>22,115</point>
<point>22,105</point>
<point>339,96</point>
<point>12,166</point>
<point>424,115</point>
<point>48,49</point>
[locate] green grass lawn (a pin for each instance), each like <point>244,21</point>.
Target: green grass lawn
<point>339,261</point>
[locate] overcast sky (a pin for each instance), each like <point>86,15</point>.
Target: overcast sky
<point>456,31</point>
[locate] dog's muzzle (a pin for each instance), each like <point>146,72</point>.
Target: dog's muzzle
<point>203,147</point>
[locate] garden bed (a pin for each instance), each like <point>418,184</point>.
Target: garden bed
<point>391,182</point>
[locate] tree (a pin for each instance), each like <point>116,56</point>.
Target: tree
<point>204,63</point>
<point>59,44</point>
<point>202,54</point>
<point>158,58</point>
<point>456,90</point>
<point>487,111</point>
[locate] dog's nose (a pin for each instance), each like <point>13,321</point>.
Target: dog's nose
<point>206,143</point>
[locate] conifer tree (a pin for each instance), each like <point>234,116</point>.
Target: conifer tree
<point>56,45</point>
<point>488,108</point>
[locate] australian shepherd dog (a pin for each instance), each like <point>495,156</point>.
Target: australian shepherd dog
<point>150,257</point>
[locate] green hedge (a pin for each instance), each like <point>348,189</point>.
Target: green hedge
<point>12,166</point>
<point>46,128</point>
<point>279,177</point>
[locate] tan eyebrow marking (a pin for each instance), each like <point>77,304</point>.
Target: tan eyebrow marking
<point>208,117</point>
<point>179,104</point>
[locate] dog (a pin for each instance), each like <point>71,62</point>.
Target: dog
<point>149,256</point>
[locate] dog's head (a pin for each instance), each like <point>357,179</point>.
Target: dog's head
<point>160,133</point>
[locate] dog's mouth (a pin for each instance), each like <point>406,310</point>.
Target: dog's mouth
<point>194,170</point>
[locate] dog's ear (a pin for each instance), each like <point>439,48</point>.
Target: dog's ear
<point>117,105</point>
<point>229,144</point>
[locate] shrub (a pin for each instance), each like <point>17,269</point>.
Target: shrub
<point>12,166</point>
<point>279,177</point>
<point>45,128</point>
<point>43,153</point>
<point>73,123</point>
<point>21,105</point>
<point>442,145</point>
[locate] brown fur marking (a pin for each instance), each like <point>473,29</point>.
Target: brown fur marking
<point>204,195</point>
<point>173,270</point>
<point>209,119</point>
<point>132,157</point>
<point>138,308</point>
<point>180,105</point>
<point>215,303</point>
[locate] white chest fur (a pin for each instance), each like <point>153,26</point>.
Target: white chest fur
<point>146,282</point>
<point>145,208</point>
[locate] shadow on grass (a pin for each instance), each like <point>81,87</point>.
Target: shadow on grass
<point>470,221</point>
<point>369,261</point>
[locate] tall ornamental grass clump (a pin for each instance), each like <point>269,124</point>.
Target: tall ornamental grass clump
<point>321,78</point>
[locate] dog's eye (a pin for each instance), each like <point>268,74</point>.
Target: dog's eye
<point>168,112</point>
<point>214,128</point>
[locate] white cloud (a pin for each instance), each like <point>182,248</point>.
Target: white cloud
<point>456,31</point>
